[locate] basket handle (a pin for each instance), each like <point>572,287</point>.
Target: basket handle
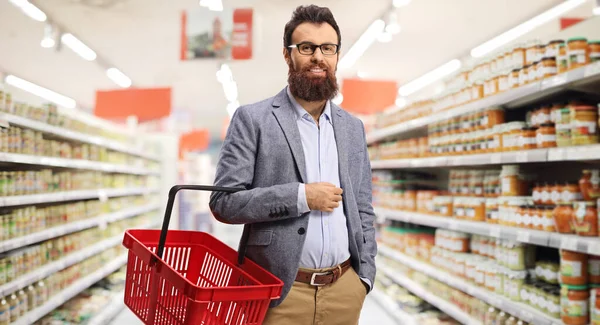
<point>169,210</point>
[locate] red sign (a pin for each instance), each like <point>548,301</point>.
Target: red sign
<point>241,39</point>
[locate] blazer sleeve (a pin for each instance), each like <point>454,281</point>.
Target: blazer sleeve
<point>367,217</point>
<point>235,168</point>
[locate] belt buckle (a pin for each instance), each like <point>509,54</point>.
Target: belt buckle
<point>313,277</point>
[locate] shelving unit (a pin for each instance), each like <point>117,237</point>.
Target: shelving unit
<point>589,245</point>
<point>73,163</point>
<point>392,308</point>
<point>520,310</point>
<point>419,291</point>
<point>102,194</point>
<point>511,98</point>
<point>66,134</point>
<point>72,291</point>
<point>111,311</point>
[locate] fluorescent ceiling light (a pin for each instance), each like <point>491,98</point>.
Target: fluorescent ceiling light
<point>429,78</point>
<point>524,28</point>
<point>338,99</point>
<point>596,11</point>
<point>401,102</point>
<point>232,107</point>
<point>78,47</point>
<point>214,5</point>
<point>118,77</point>
<point>393,28</point>
<point>384,37</point>
<point>401,3</point>
<point>361,45</point>
<point>41,91</point>
<point>30,10</point>
<point>47,43</point>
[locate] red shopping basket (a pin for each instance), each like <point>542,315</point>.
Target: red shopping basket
<point>199,280</point>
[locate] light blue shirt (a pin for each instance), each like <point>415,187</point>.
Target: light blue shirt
<point>326,243</point>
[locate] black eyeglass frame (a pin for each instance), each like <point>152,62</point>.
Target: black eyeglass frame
<point>314,48</point>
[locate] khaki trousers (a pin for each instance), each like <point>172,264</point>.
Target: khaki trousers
<point>338,303</point>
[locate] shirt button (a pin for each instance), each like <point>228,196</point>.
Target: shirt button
<point>301,231</point>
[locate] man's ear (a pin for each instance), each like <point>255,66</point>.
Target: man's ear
<point>286,56</point>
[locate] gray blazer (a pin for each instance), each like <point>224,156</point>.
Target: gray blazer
<point>262,152</point>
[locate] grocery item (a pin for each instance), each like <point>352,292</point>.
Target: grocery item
<point>14,308</point>
<point>577,51</point>
<point>575,305</point>
<point>594,269</point>
<point>513,182</point>
<point>4,312</point>
<point>590,184</point>
<point>23,303</point>
<point>573,268</point>
<point>584,125</point>
<point>585,218</point>
<point>563,216</point>
<point>594,51</point>
<point>546,136</point>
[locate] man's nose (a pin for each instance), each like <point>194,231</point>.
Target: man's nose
<point>317,55</point>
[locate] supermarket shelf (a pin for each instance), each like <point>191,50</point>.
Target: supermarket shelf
<point>511,98</point>
<point>516,309</point>
<point>400,316</point>
<point>54,232</point>
<point>72,291</point>
<point>74,136</point>
<point>580,153</point>
<point>431,298</point>
<point>108,313</point>
<point>590,245</point>
<point>72,196</point>
<point>73,163</point>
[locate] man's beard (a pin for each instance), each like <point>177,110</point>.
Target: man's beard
<point>312,89</point>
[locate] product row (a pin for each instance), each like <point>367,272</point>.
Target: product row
<point>510,69</point>
<point>16,305</point>
<point>19,262</point>
<point>29,182</point>
<point>29,142</point>
<point>25,221</point>
<point>561,284</point>
<point>474,307</point>
<point>560,125</point>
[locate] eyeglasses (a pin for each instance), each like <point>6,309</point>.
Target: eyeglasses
<point>310,48</point>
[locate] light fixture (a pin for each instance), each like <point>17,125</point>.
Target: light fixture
<point>40,91</point>
<point>78,47</point>
<point>232,107</point>
<point>361,74</point>
<point>361,45</point>
<point>401,3</point>
<point>30,10</point>
<point>118,77</point>
<point>384,37</point>
<point>524,28</point>
<point>214,5</point>
<point>430,77</point>
<point>596,9</point>
<point>400,102</point>
<point>49,39</point>
<point>392,25</point>
<point>338,99</point>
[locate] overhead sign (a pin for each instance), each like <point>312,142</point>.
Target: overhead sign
<point>207,34</point>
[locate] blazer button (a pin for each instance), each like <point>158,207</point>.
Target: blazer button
<point>301,231</point>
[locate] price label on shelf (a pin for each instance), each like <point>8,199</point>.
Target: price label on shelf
<point>556,154</point>
<point>568,243</point>
<point>522,157</point>
<point>102,224</point>
<point>495,232</point>
<point>102,196</point>
<point>594,247</point>
<point>523,236</point>
<point>496,159</point>
<point>592,69</point>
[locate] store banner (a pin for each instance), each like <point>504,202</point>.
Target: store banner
<point>207,34</point>
<point>364,96</point>
<point>145,103</point>
<point>193,141</point>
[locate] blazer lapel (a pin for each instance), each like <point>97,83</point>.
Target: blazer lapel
<point>339,129</point>
<point>286,117</point>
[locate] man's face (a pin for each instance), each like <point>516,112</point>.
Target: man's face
<point>312,77</point>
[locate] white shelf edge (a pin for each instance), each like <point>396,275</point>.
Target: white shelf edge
<point>110,311</point>
<point>578,153</point>
<point>72,291</point>
<point>555,83</point>
<point>54,232</point>
<point>74,135</point>
<point>582,244</point>
<point>72,196</point>
<point>441,304</point>
<point>392,308</point>
<point>73,163</point>
<point>516,309</point>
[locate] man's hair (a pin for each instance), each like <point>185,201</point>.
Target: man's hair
<point>311,14</point>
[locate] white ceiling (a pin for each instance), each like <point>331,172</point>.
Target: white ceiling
<point>141,38</point>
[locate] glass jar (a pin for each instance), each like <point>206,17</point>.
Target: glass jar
<point>523,77</point>
<point>594,51</point>
<point>577,50</point>
<point>563,128</point>
<point>491,211</point>
<point>590,184</point>
<point>547,68</point>
<point>552,49</point>
<point>594,269</point>
<point>562,61</point>
<point>585,218</point>
<point>575,304</point>
<point>532,72</point>
<point>584,125</point>
<point>546,136</point>
<point>570,193</point>
<point>511,132</point>
<point>513,79</point>
<point>527,138</point>
<point>563,214</point>
<point>573,268</point>
<point>548,218</point>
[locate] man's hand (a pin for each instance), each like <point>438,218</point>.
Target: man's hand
<point>323,196</point>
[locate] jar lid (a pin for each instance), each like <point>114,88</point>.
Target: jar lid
<point>594,42</point>
<point>547,125</point>
<point>576,39</point>
<point>529,128</point>
<point>548,58</point>
<point>573,287</point>
<point>583,108</point>
<point>556,41</point>
<point>595,286</point>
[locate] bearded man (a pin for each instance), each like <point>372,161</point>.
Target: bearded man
<point>304,165</point>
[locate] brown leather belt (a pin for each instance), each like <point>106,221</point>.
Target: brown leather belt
<point>323,278</point>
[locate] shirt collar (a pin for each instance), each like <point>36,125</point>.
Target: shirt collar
<point>301,112</point>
